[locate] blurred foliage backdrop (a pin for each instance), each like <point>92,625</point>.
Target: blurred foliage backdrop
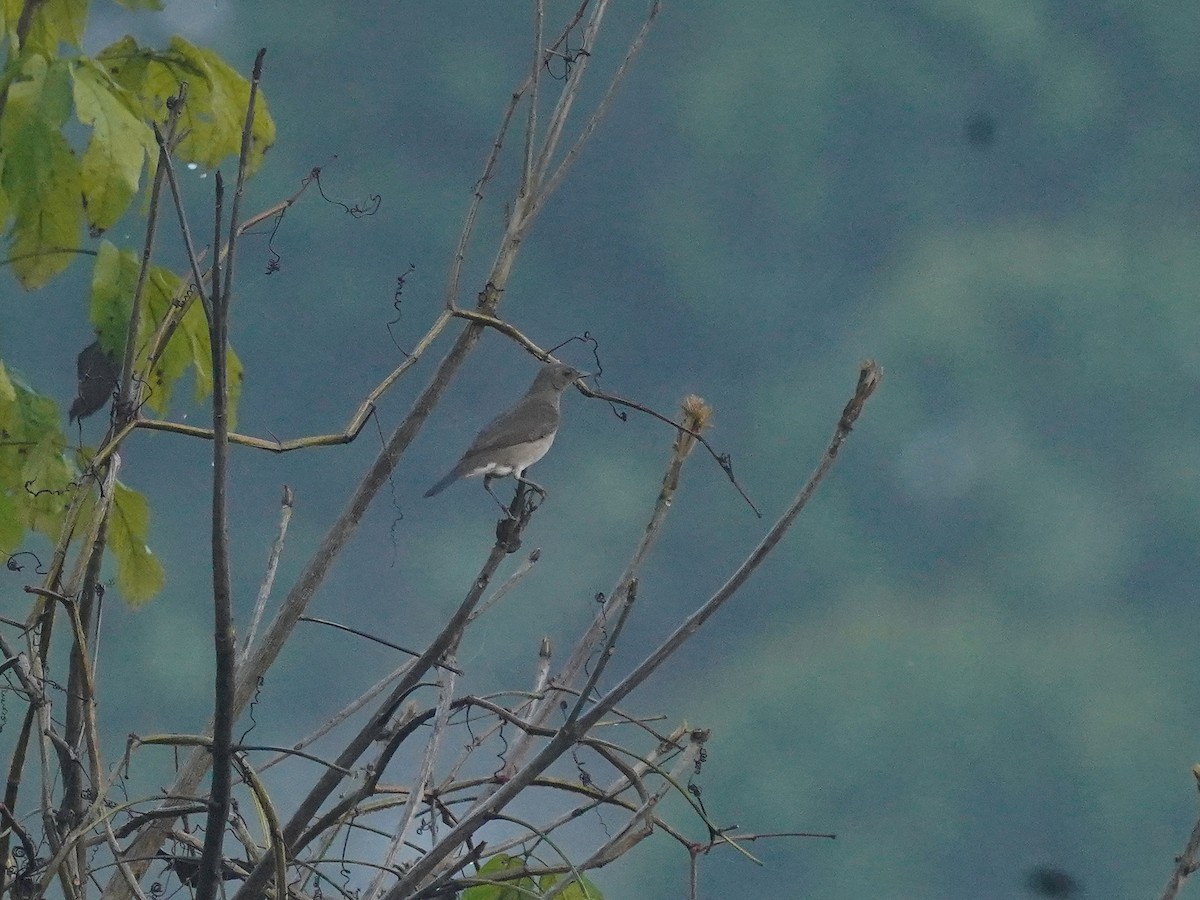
<point>973,656</point>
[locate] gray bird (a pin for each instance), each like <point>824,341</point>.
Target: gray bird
<point>516,439</point>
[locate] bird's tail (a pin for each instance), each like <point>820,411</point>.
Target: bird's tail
<point>446,481</point>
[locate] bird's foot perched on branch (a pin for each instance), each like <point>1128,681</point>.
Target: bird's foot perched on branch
<point>526,502</point>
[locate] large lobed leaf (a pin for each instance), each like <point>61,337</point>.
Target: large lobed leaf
<point>42,182</point>
<point>214,114</point>
<point>54,22</point>
<point>120,142</point>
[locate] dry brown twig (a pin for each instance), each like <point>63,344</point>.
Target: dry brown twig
<point>452,806</point>
<point>1188,862</point>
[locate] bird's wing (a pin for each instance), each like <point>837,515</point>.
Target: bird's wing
<point>94,363</point>
<point>513,427</point>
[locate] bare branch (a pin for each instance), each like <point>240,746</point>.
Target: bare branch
<point>287,504</point>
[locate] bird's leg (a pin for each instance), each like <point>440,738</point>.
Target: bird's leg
<point>527,488</point>
<point>532,485</point>
<point>487,486</point>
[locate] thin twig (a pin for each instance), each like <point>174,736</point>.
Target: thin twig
<point>378,640</point>
<point>509,584</point>
<point>127,402</point>
<point>630,833</point>
<point>448,682</point>
<point>264,591</point>
<point>527,186</point>
<point>695,419</point>
<point>601,109</point>
<point>329,780</point>
<point>167,327</point>
<point>342,715</point>
<point>869,377</point>
<point>352,430</point>
<point>469,220</point>
<point>566,99</point>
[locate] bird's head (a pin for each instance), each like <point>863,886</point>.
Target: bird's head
<point>557,377</point>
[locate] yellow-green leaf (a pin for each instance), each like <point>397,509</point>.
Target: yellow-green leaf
<point>114,276</point>
<point>48,217</point>
<point>55,22</point>
<point>213,116</point>
<point>112,163</point>
<point>139,573</point>
<point>218,114</point>
<point>113,279</point>
<point>162,287</point>
<point>511,889</point>
<point>46,480</point>
<point>126,64</point>
<point>5,206</point>
<point>10,13</point>
<point>41,174</point>
<point>42,90</point>
<point>580,889</point>
<point>8,394</point>
<point>34,474</point>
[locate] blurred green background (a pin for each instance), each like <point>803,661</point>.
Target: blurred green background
<point>975,654</point>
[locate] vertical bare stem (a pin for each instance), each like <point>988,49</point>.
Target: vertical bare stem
<point>226,655</point>
<point>527,185</point>
<point>226,652</point>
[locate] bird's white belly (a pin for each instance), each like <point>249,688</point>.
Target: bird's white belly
<point>530,453</point>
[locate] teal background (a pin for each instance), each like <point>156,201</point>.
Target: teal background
<point>975,653</point>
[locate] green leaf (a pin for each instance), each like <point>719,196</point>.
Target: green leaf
<point>515,889</point>
<point>215,111</point>
<point>8,394</point>
<point>35,475</point>
<point>126,63</point>
<point>56,22</point>
<point>580,889</point>
<point>41,174</point>
<point>11,527</point>
<point>5,206</point>
<point>48,217</point>
<point>112,163</point>
<point>114,277</point>
<point>38,481</point>
<point>10,14</point>
<point>142,4</point>
<point>139,573</point>
<point>41,89</point>
<point>46,478</point>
